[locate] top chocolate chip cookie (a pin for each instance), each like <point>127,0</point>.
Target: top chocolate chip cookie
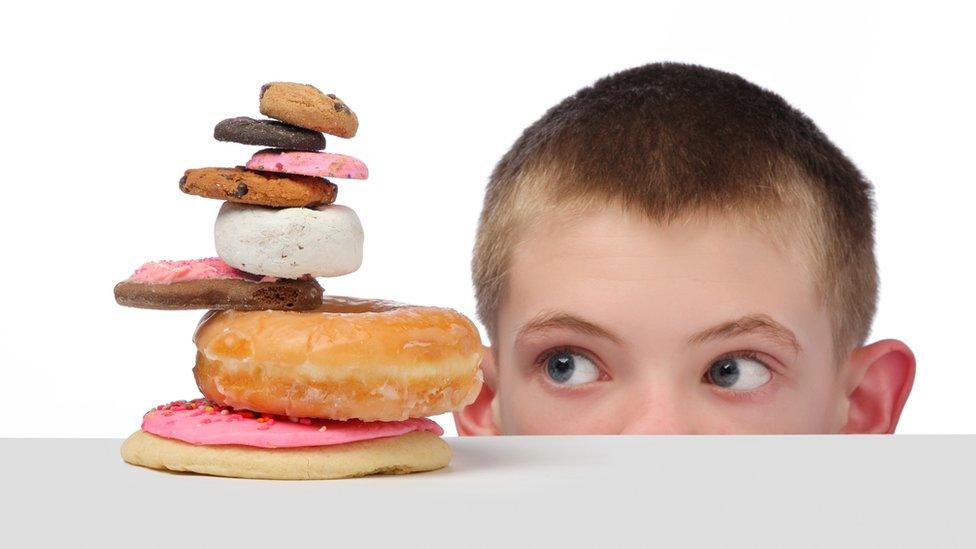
<point>305,106</point>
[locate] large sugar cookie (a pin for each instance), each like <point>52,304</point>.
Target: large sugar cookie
<point>305,106</point>
<point>413,452</point>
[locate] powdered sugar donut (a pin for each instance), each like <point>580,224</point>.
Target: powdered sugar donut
<point>289,242</point>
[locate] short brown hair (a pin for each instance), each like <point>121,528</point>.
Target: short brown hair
<point>668,140</point>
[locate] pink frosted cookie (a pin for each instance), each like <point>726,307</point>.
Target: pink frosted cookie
<point>202,421</point>
<point>317,164</point>
<point>212,284</point>
<point>167,271</point>
<point>205,437</point>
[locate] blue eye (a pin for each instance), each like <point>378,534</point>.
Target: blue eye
<point>566,368</point>
<point>740,373</point>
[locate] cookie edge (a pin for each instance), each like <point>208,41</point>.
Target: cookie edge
<point>413,452</point>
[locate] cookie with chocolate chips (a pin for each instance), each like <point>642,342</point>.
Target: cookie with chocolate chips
<point>259,188</point>
<point>268,133</point>
<point>305,106</point>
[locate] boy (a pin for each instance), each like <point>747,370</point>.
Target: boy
<point>676,250</point>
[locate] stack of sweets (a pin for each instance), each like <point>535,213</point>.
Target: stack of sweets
<point>297,385</point>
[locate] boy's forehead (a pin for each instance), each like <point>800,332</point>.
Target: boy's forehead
<point>615,265</point>
<point>607,239</point>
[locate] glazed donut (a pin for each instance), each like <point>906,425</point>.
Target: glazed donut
<point>350,358</point>
<point>289,242</point>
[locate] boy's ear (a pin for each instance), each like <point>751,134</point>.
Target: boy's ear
<point>480,417</point>
<point>880,377</point>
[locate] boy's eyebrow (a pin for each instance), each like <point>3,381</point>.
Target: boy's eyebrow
<point>555,319</point>
<point>752,323</point>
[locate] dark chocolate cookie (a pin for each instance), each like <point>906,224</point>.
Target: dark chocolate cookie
<point>268,133</point>
<point>221,294</point>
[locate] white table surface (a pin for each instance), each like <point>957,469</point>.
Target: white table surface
<point>609,491</point>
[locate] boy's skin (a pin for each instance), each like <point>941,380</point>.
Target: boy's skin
<point>651,288</point>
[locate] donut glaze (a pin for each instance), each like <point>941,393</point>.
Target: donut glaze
<point>350,358</point>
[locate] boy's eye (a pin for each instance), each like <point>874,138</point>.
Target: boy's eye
<point>566,368</point>
<point>740,373</point>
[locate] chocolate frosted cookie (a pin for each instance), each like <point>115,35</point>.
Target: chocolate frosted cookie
<point>259,188</point>
<point>305,106</point>
<point>212,284</point>
<point>268,133</point>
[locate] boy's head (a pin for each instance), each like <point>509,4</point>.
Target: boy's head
<point>674,249</point>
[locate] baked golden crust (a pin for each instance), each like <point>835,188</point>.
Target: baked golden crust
<point>259,188</point>
<point>409,453</point>
<point>350,358</point>
<point>305,106</point>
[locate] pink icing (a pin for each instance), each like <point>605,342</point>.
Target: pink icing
<point>317,164</point>
<point>167,272</point>
<point>203,422</point>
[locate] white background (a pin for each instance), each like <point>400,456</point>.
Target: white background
<point>105,106</point>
